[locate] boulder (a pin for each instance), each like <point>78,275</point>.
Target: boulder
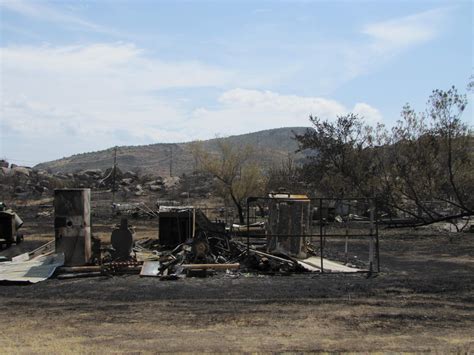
<point>126,181</point>
<point>44,182</point>
<point>93,172</point>
<point>20,170</point>
<point>130,175</point>
<point>44,214</point>
<point>6,171</point>
<point>40,188</point>
<point>171,181</point>
<point>153,182</point>
<point>156,188</point>
<point>156,181</point>
<point>108,174</point>
<point>62,176</point>
<point>81,176</point>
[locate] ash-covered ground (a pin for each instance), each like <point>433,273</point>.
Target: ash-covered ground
<point>421,301</point>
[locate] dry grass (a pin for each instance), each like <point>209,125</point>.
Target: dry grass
<point>237,326</point>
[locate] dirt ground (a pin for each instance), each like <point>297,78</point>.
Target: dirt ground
<point>421,301</point>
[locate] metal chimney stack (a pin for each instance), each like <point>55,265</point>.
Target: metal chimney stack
<point>72,225</point>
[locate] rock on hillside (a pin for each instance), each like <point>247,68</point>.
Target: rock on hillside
<point>30,183</point>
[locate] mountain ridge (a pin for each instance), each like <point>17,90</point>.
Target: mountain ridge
<point>272,146</point>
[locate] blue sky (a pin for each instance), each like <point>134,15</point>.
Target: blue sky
<point>80,76</point>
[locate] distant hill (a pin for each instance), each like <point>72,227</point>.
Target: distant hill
<point>272,147</point>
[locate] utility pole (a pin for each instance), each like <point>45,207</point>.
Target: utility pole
<point>114,175</point>
<point>171,160</point>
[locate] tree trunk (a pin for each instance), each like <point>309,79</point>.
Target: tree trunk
<point>240,210</point>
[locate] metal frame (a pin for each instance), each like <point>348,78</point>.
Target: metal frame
<point>373,229</point>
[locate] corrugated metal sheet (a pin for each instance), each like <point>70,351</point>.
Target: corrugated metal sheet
<point>33,271</point>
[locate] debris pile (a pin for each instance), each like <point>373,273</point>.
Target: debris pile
<point>187,244</point>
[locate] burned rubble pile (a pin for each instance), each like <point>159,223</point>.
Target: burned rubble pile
<point>176,254</point>
<point>204,255</point>
<point>187,244</point>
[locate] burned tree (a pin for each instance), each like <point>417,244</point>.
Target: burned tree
<point>236,176</point>
<point>431,157</point>
<point>285,176</point>
<point>341,164</point>
<point>423,167</point>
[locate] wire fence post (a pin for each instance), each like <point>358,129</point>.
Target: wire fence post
<point>321,232</point>
<point>371,241</point>
<point>377,249</point>
<point>248,226</point>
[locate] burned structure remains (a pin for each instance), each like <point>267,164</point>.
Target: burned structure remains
<point>284,233</point>
<point>288,216</point>
<point>176,225</point>
<point>72,225</point>
<point>10,223</point>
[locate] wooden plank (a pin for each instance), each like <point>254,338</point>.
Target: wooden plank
<point>210,266</point>
<point>47,248</point>
<point>272,256</point>
<point>72,269</point>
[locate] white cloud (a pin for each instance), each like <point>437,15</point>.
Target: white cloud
<point>403,32</point>
<point>389,39</point>
<point>371,114</point>
<point>114,63</point>
<point>83,98</point>
<point>99,93</point>
<point>42,12</point>
<point>94,91</point>
<point>268,101</point>
<point>320,61</point>
<point>251,110</point>
<point>340,60</point>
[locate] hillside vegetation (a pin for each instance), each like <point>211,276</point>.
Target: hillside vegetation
<point>271,147</point>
